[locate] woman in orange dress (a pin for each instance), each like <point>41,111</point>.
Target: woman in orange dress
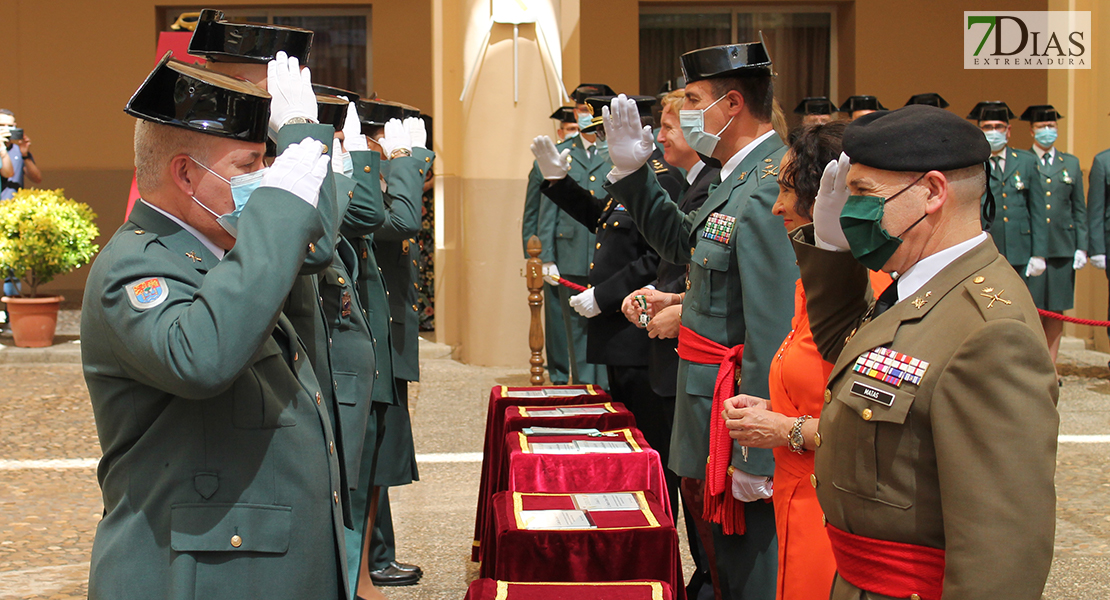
<point>788,422</point>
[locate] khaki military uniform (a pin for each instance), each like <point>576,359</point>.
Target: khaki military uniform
<point>963,460</point>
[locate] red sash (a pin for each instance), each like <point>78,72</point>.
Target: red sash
<point>720,506</point>
<point>888,568</point>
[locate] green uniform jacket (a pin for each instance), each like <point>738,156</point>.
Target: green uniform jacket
<point>964,461</point>
<point>395,245</point>
<point>741,290</point>
<point>1065,206</point>
<point>1019,229</point>
<point>220,475</point>
<point>1096,203</point>
<point>566,242</point>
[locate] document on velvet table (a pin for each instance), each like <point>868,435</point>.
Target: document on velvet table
<point>555,519</point>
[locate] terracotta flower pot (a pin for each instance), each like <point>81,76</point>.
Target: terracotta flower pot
<point>33,320</point>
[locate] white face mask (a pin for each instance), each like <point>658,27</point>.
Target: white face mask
<point>693,129</point>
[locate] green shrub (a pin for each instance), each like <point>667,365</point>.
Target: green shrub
<point>43,235</point>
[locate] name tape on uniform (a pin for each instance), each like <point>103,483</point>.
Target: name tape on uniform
<point>890,367</point>
<point>872,394</point>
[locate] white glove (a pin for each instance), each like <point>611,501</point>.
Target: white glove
<point>394,138</point>
<point>1035,267</point>
<point>1080,260</point>
<point>417,131</point>
<point>630,143</point>
<point>1099,261</point>
<point>551,273</point>
<point>291,91</point>
<point>749,488</point>
<point>830,201</point>
<point>353,140</point>
<point>585,304</point>
<point>337,156</point>
<point>300,170</point>
<point>552,164</point>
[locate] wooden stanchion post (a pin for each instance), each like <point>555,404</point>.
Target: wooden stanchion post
<point>535,304</point>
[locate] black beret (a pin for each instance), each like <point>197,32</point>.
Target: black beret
<point>915,138</point>
<point>1041,112</point>
<point>218,39</point>
<point>817,105</point>
<point>730,60</point>
<point>186,96</point>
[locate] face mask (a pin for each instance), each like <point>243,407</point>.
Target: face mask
<point>997,140</point>
<point>602,149</point>
<point>242,186</point>
<point>571,135</point>
<point>348,164</point>
<point>862,222</point>
<point>584,120</point>
<point>693,129</point>
<point>1046,136</point>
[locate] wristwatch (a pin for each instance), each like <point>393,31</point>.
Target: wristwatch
<point>796,441</point>
<point>297,120</point>
<point>400,152</point>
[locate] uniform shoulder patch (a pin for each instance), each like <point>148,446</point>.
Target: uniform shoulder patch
<point>147,293</point>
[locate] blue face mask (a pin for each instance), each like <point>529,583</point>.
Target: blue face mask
<point>348,164</point>
<point>997,139</point>
<point>242,186</point>
<point>1045,136</point>
<point>693,129</point>
<point>584,120</point>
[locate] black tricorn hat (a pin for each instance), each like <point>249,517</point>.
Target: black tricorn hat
<point>186,96</point>
<point>1041,112</point>
<point>327,90</point>
<point>587,90</point>
<point>671,85</point>
<point>220,40</point>
<point>332,110</point>
<point>644,104</point>
<point>817,105</point>
<point>854,103</point>
<point>915,138</point>
<point>991,111</point>
<point>930,99</point>
<point>375,113</point>
<point>730,60</point>
<point>565,114</point>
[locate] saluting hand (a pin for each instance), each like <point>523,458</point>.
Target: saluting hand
<point>630,142</point>
<point>353,140</point>
<point>291,92</point>
<point>418,132</point>
<point>552,164</point>
<point>300,170</point>
<point>831,198</point>
<point>395,138</point>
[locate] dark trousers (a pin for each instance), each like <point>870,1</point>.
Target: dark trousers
<point>654,415</point>
<point>748,564</point>
<point>382,543</point>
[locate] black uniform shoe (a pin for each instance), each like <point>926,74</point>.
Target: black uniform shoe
<point>391,575</point>
<point>407,568</point>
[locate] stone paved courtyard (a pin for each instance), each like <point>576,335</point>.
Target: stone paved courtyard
<point>48,515</point>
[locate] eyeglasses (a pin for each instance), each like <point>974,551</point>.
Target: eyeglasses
<point>1001,127</point>
<point>1046,126</point>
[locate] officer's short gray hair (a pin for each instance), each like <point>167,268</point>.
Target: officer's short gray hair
<point>157,144</point>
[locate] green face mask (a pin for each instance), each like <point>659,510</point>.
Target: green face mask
<point>862,222</point>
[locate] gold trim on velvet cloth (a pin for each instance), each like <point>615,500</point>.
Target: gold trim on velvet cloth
<point>656,587</point>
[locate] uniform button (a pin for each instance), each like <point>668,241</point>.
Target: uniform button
<point>414,307</point>
<point>705,261</point>
<point>342,281</point>
<point>375,374</point>
<point>1048,206</point>
<point>1048,193</point>
<point>335,497</point>
<point>416,286</point>
<point>414,262</point>
<point>351,194</point>
<point>1003,207</point>
<point>1005,219</point>
<point>139,232</point>
<point>421,171</point>
<point>427,159</point>
<point>366,169</point>
<point>1048,220</point>
<point>1049,180</point>
<point>324,149</point>
<point>331,447</point>
<point>335,384</point>
<point>813,480</point>
<point>592,193</point>
<point>311,247</point>
<point>691,251</point>
<point>604,225</point>
<point>296,355</point>
<point>597,245</point>
<point>592,178</point>
<point>329,342</point>
<point>817,440</point>
<point>1003,194</point>
<point>319,398</point>
<point>979,279</point>
<point>828,395</point>
<point>591,265</point>
<point>866,414</point>
<point>915,597</point>
<point>616,223</point>
<point>236,541</point>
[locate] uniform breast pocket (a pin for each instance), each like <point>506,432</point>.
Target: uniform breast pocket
<point>567,228</point>
<point>339,298</point>
<point>709,274</point>
<point>261,393</point>
<point>873,446</point>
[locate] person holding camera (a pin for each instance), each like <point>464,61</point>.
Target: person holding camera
<point>16,166</point>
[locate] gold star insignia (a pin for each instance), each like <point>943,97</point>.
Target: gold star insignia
<point>193,256</point>
<point>989,293</point>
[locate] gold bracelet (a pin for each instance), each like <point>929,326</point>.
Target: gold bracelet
<point>400,152</point>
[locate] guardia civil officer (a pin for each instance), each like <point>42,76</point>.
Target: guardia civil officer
<point>1019,229</point>
<point>857,106</point>
<point>816,109</point>
<point>936,448</point>
<point>740,293</point>
<point>1098,221</point>
<point>220,474</point>
<point>555,334</point>
<point>1065,224</point>
<point>568,247</point>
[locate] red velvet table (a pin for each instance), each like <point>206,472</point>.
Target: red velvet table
<point>488,589</point>
<point>621,545</point>
<point>500,398</point>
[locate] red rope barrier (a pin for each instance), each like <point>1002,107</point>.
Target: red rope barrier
<point>1076,320</point>
<point>570,284</point>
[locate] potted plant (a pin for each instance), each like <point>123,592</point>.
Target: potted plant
<point>43,235</point>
